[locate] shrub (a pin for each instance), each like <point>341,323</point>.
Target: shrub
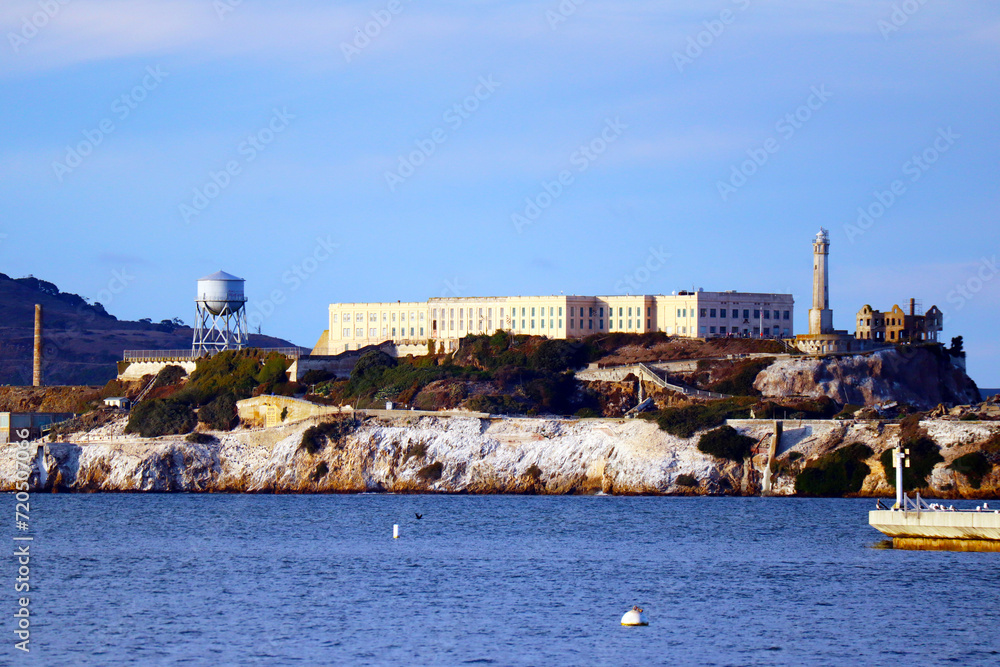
<point>726,442</point>
<point>974,466</point>
<point>315,437</point>
<point>160,417</point>
<point>837,473</point>
<point>740,383</point>
<point>924,455</point>
<point>849,410</point>
<point>169,375</point>
<point>220,414</point>
<point>686,421</point>
<point>686,480</point>
<point>432,472</point>
<point>316,377</point>
<point>200,438</point>
<point>587,413</point>
<point>533,472</point>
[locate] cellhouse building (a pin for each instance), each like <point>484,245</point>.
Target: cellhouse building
<point>410,326</point>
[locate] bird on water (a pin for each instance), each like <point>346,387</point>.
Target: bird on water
<point>419,516</point>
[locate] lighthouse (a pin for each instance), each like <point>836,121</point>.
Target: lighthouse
<point>820,315</point>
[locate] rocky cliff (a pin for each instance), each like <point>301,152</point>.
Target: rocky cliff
<point>472,455</point>
<point>920,377</point>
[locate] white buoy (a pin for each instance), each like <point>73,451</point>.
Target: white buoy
<point>634,616</point>
<point>395,531</point>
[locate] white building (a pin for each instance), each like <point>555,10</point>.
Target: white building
<point>445,321</point>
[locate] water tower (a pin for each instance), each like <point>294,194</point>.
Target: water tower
<point>220,315</point>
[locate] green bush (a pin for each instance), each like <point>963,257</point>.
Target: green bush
<point>835,474</point>
<point>684,422</point>
<point>533,472</point>
<point>432,472</point>
<point>160,417</point>
<point>686,480</point>
<point>726,442</point>
<point>169,375</point>
<point>974,466</point>
<point>587,413</point>
<point>220,414</point>
<point>924,455</point>
<point>315,437</point>
<point>200,438</point>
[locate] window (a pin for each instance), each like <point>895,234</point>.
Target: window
<point>767,314</point>
<point>523,324</point>
<point>678,312</point>
<point>649,311</point>
<point>620,312</point>
<point>411,331</point>
<point>648,324</point>
<point>532,312</point>
<point>630,311</point>
<point>394,332</point>
<point>532,322</point>
<point>524,311</point>
<point>746,313</point>
<point>590,312</point>
<point>421,331</point>
<point>360,333</point>
<point>461,324</point>
<point>581,324</point>
<point>334,320</point>
<point>385,331</point>
<point>756,313</point>
<point>347,332</point>
<point>621,324</point>
<point>767,331</point>
<point>560,321</point>
<point>373,317</point>
<point>590,324</point>
<point>560,312</point>
<point>359,317</point>
<point>372,333</point>
<point>785,315</point>
<point>703,328</point>
<point>394,317</point>
<point>421,316</point>
<point>630,322</point>
<point>600,324</point>
<point>543,323</point>
<point>501,313</point>
<point>552,324</point>
<point>602,312</point>
<point>702,313</point>
<point>711,312</point>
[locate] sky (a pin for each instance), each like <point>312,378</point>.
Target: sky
<point>397,150</point>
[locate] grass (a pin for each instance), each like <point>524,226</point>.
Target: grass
<point>685,421</point>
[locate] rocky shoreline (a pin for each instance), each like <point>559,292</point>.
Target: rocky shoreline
<point>430,454</point>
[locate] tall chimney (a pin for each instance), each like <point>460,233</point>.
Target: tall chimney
<point>37,374</point>
<point>913,307</point>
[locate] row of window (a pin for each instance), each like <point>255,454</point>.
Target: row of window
<point>778,315</point>
<point>373,332</point>
<point>373,317</point>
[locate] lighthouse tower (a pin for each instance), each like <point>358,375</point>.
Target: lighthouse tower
<point>820,315</point>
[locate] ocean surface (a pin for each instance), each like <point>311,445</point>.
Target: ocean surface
<point>133,579</point>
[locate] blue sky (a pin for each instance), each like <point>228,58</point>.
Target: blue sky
<point>390,149</point>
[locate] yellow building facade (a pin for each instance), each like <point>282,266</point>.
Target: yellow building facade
<point>410,326</point>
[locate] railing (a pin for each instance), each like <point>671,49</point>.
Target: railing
<point>169,355</point>
<point>687,391</point>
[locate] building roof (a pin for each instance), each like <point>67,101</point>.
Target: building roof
<point>221,275</point>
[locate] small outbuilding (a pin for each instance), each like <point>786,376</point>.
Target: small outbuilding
<point>118,402</point>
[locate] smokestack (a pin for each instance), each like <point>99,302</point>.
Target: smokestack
<point>37,374</point>
<point>913,307</point>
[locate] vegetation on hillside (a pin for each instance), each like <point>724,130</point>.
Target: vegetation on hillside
<point>726,442</point>
<point>924,455</point>
<point>838,473</point>
<point>687,420</point>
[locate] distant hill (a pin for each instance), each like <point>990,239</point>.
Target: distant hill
<point>82,341</point>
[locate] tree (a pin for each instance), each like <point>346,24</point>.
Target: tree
<point>957,348</point>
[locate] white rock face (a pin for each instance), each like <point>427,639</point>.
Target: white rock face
<point>468,454</point>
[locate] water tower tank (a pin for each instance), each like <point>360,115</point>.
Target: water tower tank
<point>221,293</point>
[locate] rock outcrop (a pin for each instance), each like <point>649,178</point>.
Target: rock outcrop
<point>918,377</point>
<point>473,455</point>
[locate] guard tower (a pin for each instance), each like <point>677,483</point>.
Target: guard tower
<point>820,315</point>
<point>220,315</point>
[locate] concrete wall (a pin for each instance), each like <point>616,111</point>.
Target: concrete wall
<point>266,411</point>
<point>137,369</point>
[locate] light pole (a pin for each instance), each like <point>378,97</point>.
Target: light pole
<point>900,459</point>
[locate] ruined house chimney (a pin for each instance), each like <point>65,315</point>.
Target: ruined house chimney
<point>37,370</point>
<point>913,307</point>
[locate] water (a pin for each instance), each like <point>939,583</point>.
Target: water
<point>303,580</point>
